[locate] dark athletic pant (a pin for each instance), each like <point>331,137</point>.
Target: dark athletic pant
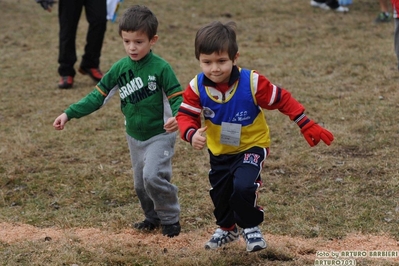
<point>69,12</point>
<point>334,4</point>
<point>235,180</point>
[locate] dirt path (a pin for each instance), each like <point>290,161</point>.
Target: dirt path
<point>299,247</point>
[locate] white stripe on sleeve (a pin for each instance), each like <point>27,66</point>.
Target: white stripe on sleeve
<point>273,98</point>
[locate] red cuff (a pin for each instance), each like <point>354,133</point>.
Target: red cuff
<point>302,120</point>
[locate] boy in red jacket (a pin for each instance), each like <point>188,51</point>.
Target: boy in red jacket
<point>232,100</point>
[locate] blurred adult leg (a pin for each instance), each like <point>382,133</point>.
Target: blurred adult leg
<point>384,15</point>
<point>96,14</point>
<point>333,4</point>
<point>69,12</point>
<point>396,40</point>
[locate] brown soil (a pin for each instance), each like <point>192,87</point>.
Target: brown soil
<point>301,248</point>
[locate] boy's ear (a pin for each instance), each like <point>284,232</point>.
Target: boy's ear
<point>236,58</point>
<point>154,40</point>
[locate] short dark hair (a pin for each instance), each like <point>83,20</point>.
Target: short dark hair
<point>216,37</point>
<point>139,18</point>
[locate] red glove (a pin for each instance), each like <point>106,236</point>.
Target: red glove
<point>312,132</point>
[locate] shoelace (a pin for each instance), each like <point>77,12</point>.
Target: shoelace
<point>252,233</point>
<point>219,233</point>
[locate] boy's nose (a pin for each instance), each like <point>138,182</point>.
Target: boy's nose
<point>215,68</point>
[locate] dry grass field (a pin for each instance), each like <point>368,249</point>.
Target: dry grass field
<point>67,197</point>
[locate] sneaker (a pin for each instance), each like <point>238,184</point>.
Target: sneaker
<point>383,17</point>
<point>221,237</point>
<point>145,226</point>
<point>171,230</point>
<point>65,82</point>
<point>94,73</point>
<point>254,239</point>
<point>342,9</point>
<point>320,5</point>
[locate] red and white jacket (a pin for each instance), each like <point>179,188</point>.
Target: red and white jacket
<point>267,95</point>
<point>395,8</point>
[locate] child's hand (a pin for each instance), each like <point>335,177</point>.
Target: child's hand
<point>313,133</point>
<point>60,121</point>
<point>46,4</point>
<point>171,125</point>
<point>198,141</point>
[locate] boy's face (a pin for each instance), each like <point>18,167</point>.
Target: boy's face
<point>217,66</point>
<point>136,43</point>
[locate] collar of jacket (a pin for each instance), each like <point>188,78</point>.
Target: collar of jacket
<point>143,60</point>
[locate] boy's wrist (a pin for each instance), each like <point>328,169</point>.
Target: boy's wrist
<point>190,133</point>
<point>301,120</point>
<point>68,113</point>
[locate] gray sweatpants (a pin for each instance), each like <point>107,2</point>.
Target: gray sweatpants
<point>152,172</point>
<point>396,40</point>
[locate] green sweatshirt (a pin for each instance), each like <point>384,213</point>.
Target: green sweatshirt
<point>149,93</point>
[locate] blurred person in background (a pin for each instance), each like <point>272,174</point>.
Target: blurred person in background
<point>69,12</point>
<point>384,15</point>
<point>395,11</point>
<point>329,5</point>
